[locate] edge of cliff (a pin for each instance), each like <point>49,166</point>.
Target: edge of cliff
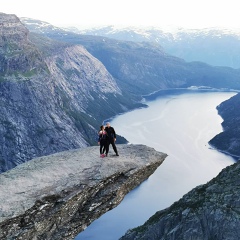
<point>58,196</point>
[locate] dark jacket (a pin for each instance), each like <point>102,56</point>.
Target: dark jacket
<point>110,132</point>
<point>102,137</point>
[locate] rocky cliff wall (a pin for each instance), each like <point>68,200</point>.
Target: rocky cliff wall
<point>58,196</point>
<point>209,211</point>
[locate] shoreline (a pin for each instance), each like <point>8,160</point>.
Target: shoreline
<point>235,157</point>
<point>189,89</point>
<point>172,91</point>
<point>196,89</point>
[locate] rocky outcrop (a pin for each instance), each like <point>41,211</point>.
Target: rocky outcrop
<point>58,196</point>
<point>209,211</point>
<point>228,141</point>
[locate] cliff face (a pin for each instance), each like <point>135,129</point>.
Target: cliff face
<point>52,95</point>
<point>18,56</point>
<point>58,196</point>
<point>209,211</point>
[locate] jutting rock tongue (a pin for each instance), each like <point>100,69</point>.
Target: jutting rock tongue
<point>57,196</point>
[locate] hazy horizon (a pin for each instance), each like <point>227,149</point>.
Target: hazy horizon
<point>185,14</point>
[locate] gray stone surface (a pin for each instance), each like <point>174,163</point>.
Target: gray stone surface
<point>58,196</point>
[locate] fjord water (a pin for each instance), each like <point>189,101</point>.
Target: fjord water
<point>177,123</point>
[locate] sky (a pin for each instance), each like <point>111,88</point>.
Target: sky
<point>158,13</point>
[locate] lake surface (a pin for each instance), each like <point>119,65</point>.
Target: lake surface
<point>179,124</point>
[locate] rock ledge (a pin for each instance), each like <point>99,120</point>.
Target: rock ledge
<point>58,196</point>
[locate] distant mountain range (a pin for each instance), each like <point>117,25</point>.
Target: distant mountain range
<point>217,47</point>
<point>142,66</point>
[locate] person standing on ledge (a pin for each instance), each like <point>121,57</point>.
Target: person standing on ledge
<point>111,137</point>
<point>103,141</point>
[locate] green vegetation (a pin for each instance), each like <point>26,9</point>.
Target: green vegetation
<point>2,79</point>
<point>30,73</point>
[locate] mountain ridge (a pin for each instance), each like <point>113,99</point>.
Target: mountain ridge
<point>146,62</point>
<point>214,46</point>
